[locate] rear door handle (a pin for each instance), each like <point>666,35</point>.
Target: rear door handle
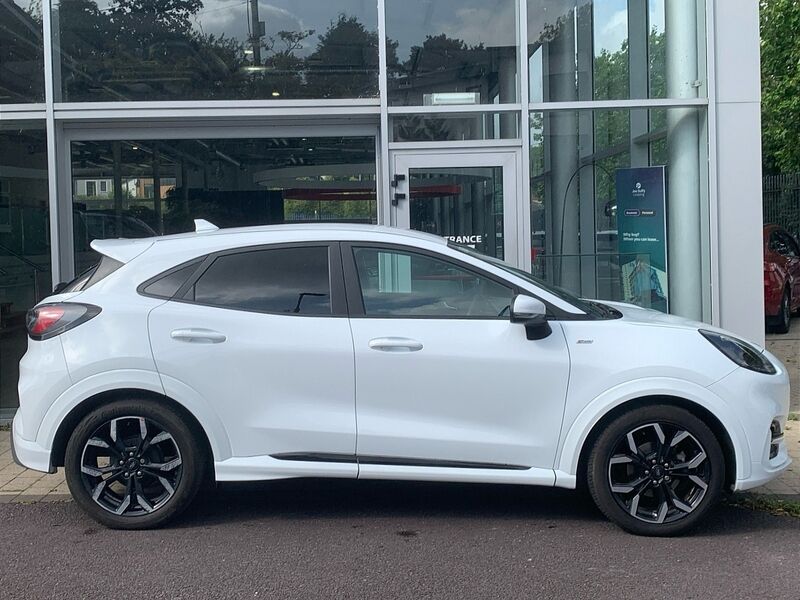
<point>198,336</point>
<point>395,344</point>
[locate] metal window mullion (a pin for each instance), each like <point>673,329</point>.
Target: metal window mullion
<point>619,104</point>
<point>713,193</point>
<point>384,206</point>
<point>56,243</point>
<point>455,108</point>
<point>524,176</point>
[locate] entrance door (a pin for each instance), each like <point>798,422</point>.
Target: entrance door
<point>467,197</point>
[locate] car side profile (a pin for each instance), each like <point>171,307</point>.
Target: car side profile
<point>374,353</point>
<point>781,277</point>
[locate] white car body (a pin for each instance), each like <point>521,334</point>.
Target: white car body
<point>478,403</point>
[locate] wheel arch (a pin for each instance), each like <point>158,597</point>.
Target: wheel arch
<point>699,411</point>
<point>79,411</point>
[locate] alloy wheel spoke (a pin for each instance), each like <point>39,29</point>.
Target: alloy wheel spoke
<point>634,507</point>
<point>99,471</point>
<point>678,438</point>
<point>141,500</point>
<point>691,464</point>
<point>164,467</point>
<point>675,501</point>
<point>627,488</point>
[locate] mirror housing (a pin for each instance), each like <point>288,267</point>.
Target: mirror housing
<point>532,313</point>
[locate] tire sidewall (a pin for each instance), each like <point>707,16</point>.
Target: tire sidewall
<point>185,439</point>
<point>597,468</point>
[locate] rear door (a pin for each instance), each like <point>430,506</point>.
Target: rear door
<point>262,336</point>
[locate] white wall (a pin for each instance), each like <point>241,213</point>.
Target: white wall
<point>738,137</point>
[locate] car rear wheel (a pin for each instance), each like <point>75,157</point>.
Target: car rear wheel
<point>783,320</point>
<point>133,464</point>
<point>656,470</point>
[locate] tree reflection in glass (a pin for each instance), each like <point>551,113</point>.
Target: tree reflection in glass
<point>117,50</point>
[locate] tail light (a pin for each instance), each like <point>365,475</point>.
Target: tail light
<point>50,320</point>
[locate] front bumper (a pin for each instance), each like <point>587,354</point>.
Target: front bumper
<point>758,400</point>
<point>28,454</point>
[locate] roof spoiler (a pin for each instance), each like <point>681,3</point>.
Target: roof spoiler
<point>203,226</point>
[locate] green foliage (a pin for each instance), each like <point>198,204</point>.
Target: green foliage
<point>780,85</point>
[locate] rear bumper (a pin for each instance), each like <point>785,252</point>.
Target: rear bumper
<point>28,454</point>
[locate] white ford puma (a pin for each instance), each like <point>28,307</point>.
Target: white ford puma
<point>372,353</point>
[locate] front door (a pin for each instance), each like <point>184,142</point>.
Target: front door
<point>443,378</point>
<point>467,197</point>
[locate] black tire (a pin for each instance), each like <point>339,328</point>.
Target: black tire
<point>650,484</point>
<point>173,464</point>
<point>782,321</point>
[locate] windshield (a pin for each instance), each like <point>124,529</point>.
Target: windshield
<point>589,307</point>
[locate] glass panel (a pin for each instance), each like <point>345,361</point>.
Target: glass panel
<point>169,284</point>
<point>116,50</point>
<point>619,205</point>
<point>160,186</point>
<point>462,204</point>
<point>24,244</point>
<point>21,52</point>
<point>444,52</point>
<point>615,49</point>
<point>453,127</point>
<point>288,280</point>
<point>402,284</point>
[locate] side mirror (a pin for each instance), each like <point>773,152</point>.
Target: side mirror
<point>533,314</point>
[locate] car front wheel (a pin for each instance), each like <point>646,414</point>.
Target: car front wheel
<point>656,470</point>
<point>133,464</point>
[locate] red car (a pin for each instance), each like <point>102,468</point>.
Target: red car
<point>781,277</point>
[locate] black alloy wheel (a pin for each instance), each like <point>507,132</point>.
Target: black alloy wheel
<point>133,464</point>
<point>656,470</point>
<point>659,473</point>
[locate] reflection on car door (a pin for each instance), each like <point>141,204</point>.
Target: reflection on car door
<point>443,378</point>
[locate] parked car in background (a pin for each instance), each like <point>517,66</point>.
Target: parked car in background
<point>238,355</point>
<point>781,277</point>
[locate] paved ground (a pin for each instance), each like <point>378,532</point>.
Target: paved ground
<point>346,539</point>
<point>787,348</point>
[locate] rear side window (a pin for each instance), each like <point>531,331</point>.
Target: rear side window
<point>279,280</point>
<point>167,284</point>
<point>88,278</point>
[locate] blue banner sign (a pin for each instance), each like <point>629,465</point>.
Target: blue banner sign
<point>642,236</point>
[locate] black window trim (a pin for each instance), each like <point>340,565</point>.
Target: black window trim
<point>335,277</point>
<point>356,302</point>
<point>140,289</point>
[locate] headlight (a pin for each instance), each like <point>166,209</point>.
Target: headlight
<point>740,352</point>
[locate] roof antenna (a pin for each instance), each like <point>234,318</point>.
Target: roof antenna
<point>203,226</point>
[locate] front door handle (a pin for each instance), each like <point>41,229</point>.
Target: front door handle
<point>395,344</point>
<point>198,336</point>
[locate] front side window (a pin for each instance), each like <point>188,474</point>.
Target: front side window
<point>406,284</point>
<point>292,281</point>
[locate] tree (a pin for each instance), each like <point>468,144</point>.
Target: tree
<point>780,85</point>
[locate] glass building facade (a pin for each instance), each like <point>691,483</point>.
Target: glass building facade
<point>502,124</point>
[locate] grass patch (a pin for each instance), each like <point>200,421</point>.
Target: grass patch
<point>770,504</point>
<point>793,417</point>
<point>5,427</point>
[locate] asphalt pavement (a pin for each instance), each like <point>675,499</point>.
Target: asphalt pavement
<point>382,540</point>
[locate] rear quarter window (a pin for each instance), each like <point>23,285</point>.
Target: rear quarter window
<point>167,284</point>
<point>88,278</point>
